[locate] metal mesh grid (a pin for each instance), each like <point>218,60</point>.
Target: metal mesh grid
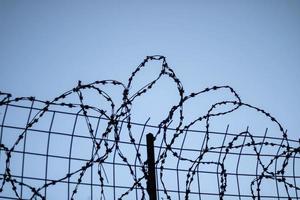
<point>57,149</point>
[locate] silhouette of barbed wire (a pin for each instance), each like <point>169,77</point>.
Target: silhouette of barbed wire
<point>108,143</point>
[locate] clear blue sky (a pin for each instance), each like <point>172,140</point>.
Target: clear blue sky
<point>253,46</point>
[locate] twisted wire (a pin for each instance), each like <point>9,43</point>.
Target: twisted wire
<point>119,118</point>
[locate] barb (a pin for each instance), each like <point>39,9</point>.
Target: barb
<point>116,166</point>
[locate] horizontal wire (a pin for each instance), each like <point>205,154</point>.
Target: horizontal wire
<point>109,148</point>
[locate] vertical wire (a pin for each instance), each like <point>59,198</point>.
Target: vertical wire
<point>201,150</point>
<point>47,152</point>
<point>24,148</point>
<point>157,181</point>
<point>114,173</point>
<point>276,162</point>
<point>160,178</point>
<point>220,154</point>
<point>187,181</point>
<point>294,175</point>
<point>114,186</point>
<point>136,157</point>
<point>92,171</point>
<point>259,152</point>
<point>158,157</point>
<point>238,164</point>
<point>198,181</point>
<point>177,166</point>
<point>70,152</point>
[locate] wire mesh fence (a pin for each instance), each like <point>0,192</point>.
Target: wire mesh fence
<point>69,148</point>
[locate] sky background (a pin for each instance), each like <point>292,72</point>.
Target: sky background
<point>253,46</point>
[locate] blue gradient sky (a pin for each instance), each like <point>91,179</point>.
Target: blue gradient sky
<point>254,46</point>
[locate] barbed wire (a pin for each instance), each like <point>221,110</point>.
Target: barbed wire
<point>108,143</point>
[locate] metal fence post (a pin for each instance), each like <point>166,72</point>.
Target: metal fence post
<point>151,182</point>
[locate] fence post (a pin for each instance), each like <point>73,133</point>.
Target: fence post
<point>151,182</point>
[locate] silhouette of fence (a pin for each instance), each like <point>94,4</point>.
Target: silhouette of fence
<point>69,149</point>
